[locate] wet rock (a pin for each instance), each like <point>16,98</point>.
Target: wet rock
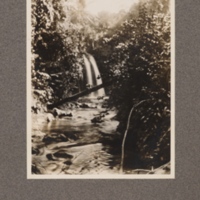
<point>50,157</point>
<point>68,162</point>
<point>34,109</point>
<point>62,154</point>
<point>100,97</point>
<point>105,112</point>
<point>76,105</point>
<point>55,138</point>
<point>61,113</point>
<point>84,105</point>
<point>35,151</point>
<point>48,139</point>
<point>38,136</point>
<point>72,136</point>
<point>50,117</point>
<point>65,115</point>
<point>97,119</point>
<point>63,138</point>
<point>35,170</point>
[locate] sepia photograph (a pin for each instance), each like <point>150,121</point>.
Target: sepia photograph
<point>100,89</point>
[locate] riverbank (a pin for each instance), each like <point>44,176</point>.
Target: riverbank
<point>75,144</point>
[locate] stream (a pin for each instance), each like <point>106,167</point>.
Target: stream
<point>74,145</point>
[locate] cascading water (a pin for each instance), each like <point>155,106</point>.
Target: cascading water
<point>92,75</point>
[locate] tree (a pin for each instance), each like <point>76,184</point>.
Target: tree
<point>56,50</point>
<point>137,56</point>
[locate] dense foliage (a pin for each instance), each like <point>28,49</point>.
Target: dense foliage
<point>57,47</point>
<point>137,56</point>
<point>133,50</point>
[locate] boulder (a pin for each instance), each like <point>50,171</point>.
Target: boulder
<point>50,157</point>
<point>97,119</point>
<point>65,115</point>
<point>35,151</point>
<point>84,105</point>
<point>61,113</point>
<point>50,117</point>
<point>35,169</point>
<point>62,154</point>
<point>68,162</point>
<point>48,139</point>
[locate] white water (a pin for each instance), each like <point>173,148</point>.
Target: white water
<point>101,92</point>
<point>92,72</point>
<point>88,71</point>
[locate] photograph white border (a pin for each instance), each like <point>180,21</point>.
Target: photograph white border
<point>101,176</point>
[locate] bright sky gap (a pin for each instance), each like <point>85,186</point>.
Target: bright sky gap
<point>111,6</point>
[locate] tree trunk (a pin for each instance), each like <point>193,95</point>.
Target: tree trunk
<point>76,96</point>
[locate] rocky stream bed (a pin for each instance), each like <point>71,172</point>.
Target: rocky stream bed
<point>74,144</point>
<point>79,141</point>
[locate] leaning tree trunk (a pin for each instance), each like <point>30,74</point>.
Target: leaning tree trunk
<point>76,96</point>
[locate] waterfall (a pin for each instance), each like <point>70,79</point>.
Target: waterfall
<point>92,75</point>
